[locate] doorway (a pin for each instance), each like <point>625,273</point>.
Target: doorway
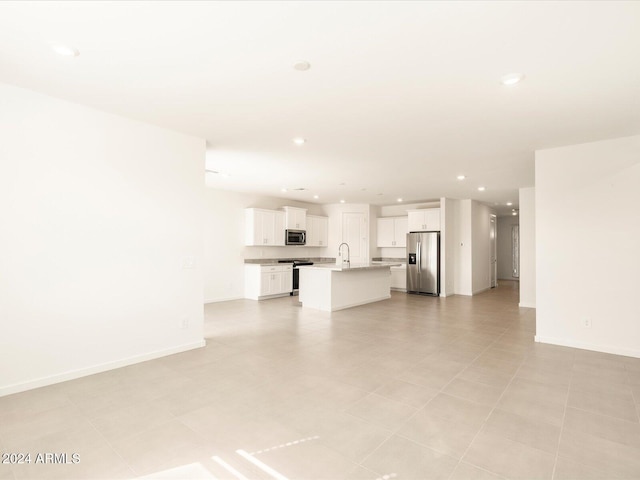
<point>355,234</point>
<point>493,258</point>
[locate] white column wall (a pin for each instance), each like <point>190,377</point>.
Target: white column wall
<point>100,243</point>
<point>528,249</point>
<point>587,245</point>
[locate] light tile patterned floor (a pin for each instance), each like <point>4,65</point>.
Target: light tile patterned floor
<point>410,388</point>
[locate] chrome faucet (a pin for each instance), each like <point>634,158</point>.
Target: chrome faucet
<point>348,253</point>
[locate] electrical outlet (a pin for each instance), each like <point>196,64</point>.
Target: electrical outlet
<point>184,324</point>
<point>586,322</point>
<point>188,262</point>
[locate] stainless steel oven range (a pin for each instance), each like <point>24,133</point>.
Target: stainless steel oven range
<point>296,273</point>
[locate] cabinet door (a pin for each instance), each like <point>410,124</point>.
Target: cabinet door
<point>401,228</point>
<point>312,231</point>
<point>254,227</point>
<point>286,280</point>
<point>266,283</point>
<point>386,232</point>
<point>295,218</point>
<point>278,229</point>
<point>416,221</point>
<point>301,219</point>
<point>322,233</point>
<point>267,226</point>
<point>432,219</point>
<point>317,228</point>
<point>398,278</point>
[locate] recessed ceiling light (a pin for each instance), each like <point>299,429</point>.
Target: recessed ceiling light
<point>399,199</point>
<point>316,197</point>
<point>512,78</point>
<point>283,190</point>
<point>65,51</point>
<point>302,65</point>
<point>461,177</point>
<point>481,189</point>
<point>341,201</point>
<point>514,213</point>
<point>299,141</point>
<point>509,204</point>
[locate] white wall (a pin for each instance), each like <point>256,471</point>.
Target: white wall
<point>463,262</point>
<point>481,247</point>
<point>587,245</point>
<point>528,247</point>
<point>98,213</point>
<point>505,250</point>
<point>449,241</point>
<point>225,252</point>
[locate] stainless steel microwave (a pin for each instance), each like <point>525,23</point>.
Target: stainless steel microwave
<point>295,237</point>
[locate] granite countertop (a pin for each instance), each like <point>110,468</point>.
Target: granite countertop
<point>356,266</point>
<point>270,262</point>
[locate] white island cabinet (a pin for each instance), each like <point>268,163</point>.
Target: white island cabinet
<point>329,287</point>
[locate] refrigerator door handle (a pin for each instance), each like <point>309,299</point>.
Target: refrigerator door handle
<point>418,259</point>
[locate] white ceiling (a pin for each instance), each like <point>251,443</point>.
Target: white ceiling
<point>401,96</point>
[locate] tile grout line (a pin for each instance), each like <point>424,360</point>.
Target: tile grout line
<point>395,432</point>
<point>133,470</point>
<point>495,406</point>
<point>564,416</point>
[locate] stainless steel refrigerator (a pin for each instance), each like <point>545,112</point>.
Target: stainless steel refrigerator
<point>423,263</point>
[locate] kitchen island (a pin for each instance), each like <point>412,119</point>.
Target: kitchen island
<point>331,287</point>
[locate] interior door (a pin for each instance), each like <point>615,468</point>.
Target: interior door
<point>355,234</point>
<point>494,252</point>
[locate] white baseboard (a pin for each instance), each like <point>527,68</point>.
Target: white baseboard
<point>102,367</point>
<point>482,290</point>
<point>357,304</point>
<point>627,352</point>
<point>527,305</point>
<point>223,299</point>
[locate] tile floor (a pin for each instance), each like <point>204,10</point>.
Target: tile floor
<point>410,388</point>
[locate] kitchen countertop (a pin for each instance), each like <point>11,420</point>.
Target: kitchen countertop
<point>354,267</point>
<point>270,262</point>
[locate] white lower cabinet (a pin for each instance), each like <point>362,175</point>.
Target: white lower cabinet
<point>265,281</point>
<point>399,278</point>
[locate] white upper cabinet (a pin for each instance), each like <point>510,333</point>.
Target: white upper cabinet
<point>317,231</point>
<point>295,218</point>
<point>264,227</point>
<point>392,232</point>
<point>425,220</point>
